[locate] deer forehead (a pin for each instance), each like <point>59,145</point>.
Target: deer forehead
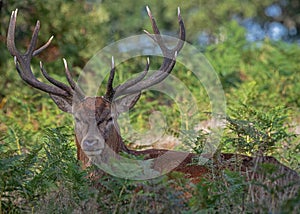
<point>92,107</point>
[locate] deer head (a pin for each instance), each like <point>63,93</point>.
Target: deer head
<point>96,127</point>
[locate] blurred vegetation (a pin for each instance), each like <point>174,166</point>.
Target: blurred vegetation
<point>39,171</point>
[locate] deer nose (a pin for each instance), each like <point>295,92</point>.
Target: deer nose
<point>92,147</point>
<point>90,144</point>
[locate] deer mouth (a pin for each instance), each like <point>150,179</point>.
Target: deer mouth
<point>93,152</point>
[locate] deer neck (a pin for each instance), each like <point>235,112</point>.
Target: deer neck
<point>80,154</point>
<point>115,143</point>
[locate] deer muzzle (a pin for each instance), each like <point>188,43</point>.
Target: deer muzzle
<point>92,146</point>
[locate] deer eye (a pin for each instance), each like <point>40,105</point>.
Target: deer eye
<point>102,121</point>
<point>77,120</point>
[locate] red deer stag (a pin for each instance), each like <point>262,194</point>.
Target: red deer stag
<point>97,134</point>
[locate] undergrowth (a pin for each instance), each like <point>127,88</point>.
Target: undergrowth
<point>39,171</point>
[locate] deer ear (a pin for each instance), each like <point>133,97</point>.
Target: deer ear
<point>127,102</point>
<point>62,103</point>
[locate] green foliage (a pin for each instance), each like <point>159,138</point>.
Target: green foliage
<point>227,193</point>
<point>27,178</point>
<point>16,170</point>
<point>39,171</point>
<point>257,128</point>
<point>123,196</point>
<point>231,193</point>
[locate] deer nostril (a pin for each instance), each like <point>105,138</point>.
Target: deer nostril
<point>90,142</point>
<point>92,147</point>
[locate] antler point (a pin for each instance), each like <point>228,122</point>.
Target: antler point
<point>148,60</point>
<point>112,62</point>
<point>65,63</point>
<point>148,11</point>
<point>14,14</point>
<point>15,60</point>
<point>178,11</point>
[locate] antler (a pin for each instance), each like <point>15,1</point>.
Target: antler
<point>169,59</point>
<point>22,62</point>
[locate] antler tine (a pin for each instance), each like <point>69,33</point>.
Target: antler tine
<point>154,26</point>
<point>11,34</point>
<point>39,50</point>
<point>181,32</point>
<point>71,82</point>
<point>157,35</point>
<point>109,89</point>
<point>33,41</point>
<point>37,84</point>
<point>150,35</point>
<point>54,81</point>
<point>169,60</point>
